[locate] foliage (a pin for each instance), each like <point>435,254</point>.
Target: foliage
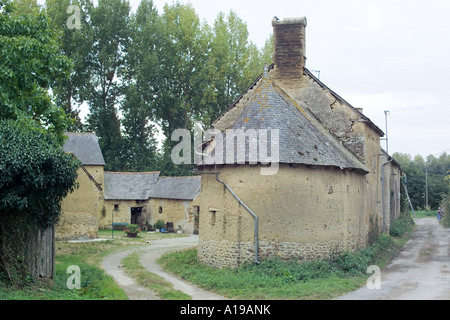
<point>132,228</point>
<point>292,279</point>
<point>75,44</point>
<point>417,170</point>
<point>159,224</point>
<point>163,288</point>
<point>148,69</point>
<point>401,226</point>
<point>35,175</point>
<point>30,63</point>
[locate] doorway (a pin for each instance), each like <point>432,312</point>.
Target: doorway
<point>136,218</point>
<point>196,219</point>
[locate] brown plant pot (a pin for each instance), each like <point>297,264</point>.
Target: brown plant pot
<point>131,235</point>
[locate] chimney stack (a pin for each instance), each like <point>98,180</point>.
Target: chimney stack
<point>289,47</point>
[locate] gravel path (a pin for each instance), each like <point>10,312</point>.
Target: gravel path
<point>420,271</point>
<point>148,256</point>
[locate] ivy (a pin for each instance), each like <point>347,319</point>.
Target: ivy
<point>35,175</point>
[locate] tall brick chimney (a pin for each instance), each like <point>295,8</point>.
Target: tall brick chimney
<point>289,47</point>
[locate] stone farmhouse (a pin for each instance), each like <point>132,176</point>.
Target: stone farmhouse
<point>106,198</point>
<point>144,198</point>
<point>81,209</point>
<point>334,188</point>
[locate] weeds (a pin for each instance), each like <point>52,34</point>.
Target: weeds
<point>274,278</point>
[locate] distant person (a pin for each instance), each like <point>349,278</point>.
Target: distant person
<point>440,214</point>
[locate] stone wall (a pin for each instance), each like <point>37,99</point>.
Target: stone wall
<point>303,213</point>
<point>81,209</point>
<point>224,253</point>
<point>119,211</point>
<point>79,225</point>
<point>179,212</point>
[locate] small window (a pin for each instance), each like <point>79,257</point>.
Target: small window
<point>116,207</point>
<point>160,209</point>
<point>213,217</point>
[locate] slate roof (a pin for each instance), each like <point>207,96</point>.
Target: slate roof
<point>129,186</point>
<point>302,139</point>
<point>183,188</point>
<point>146,185</point>
<point>85,147</point>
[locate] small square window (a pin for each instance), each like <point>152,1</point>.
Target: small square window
<point>116,207</point>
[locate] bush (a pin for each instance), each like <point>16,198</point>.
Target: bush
<point>35,175</point>
<point>159,224</point>
<point>401,226</point>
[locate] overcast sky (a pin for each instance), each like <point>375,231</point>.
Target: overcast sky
<point>378,55</point>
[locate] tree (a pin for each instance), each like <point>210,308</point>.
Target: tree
<point>110,23</point>
<point>236,61</point>
<point>418,171</point>
<point>30,63</point>
<point>182,87</point>
<point>35,175</point>
<point>76,44</point>
<point>140,80</point>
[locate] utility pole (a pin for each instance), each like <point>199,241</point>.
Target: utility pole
<point>426,186</point>
<point>386,112</point>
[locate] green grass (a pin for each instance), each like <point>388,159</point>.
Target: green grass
<point>163,288</point>
<point>277,279</point>
<point>272,279</point>
<point>424,213</point>
<point>95,283</point>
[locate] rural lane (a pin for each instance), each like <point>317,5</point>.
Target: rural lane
<point>148,256</point>
<point>420,271</point>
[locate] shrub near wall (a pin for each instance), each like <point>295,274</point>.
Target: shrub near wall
<point>35,175</point>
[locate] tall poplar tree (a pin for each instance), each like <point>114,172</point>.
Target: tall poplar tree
<point>110,23</point>
<point>141,77</point>
<point>75,43</point>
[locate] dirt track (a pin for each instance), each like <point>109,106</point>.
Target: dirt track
<point>420,271</point>
<point>148,256</point>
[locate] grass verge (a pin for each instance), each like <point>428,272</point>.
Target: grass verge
<point>95,283</point>
<point>277,279</point>
<point>163,288</point>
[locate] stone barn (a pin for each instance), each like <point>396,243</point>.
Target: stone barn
<point>321,195</point>
<point>143,198</point>
<point>81,209</point>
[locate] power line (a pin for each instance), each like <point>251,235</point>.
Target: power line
<point>441,152</point>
